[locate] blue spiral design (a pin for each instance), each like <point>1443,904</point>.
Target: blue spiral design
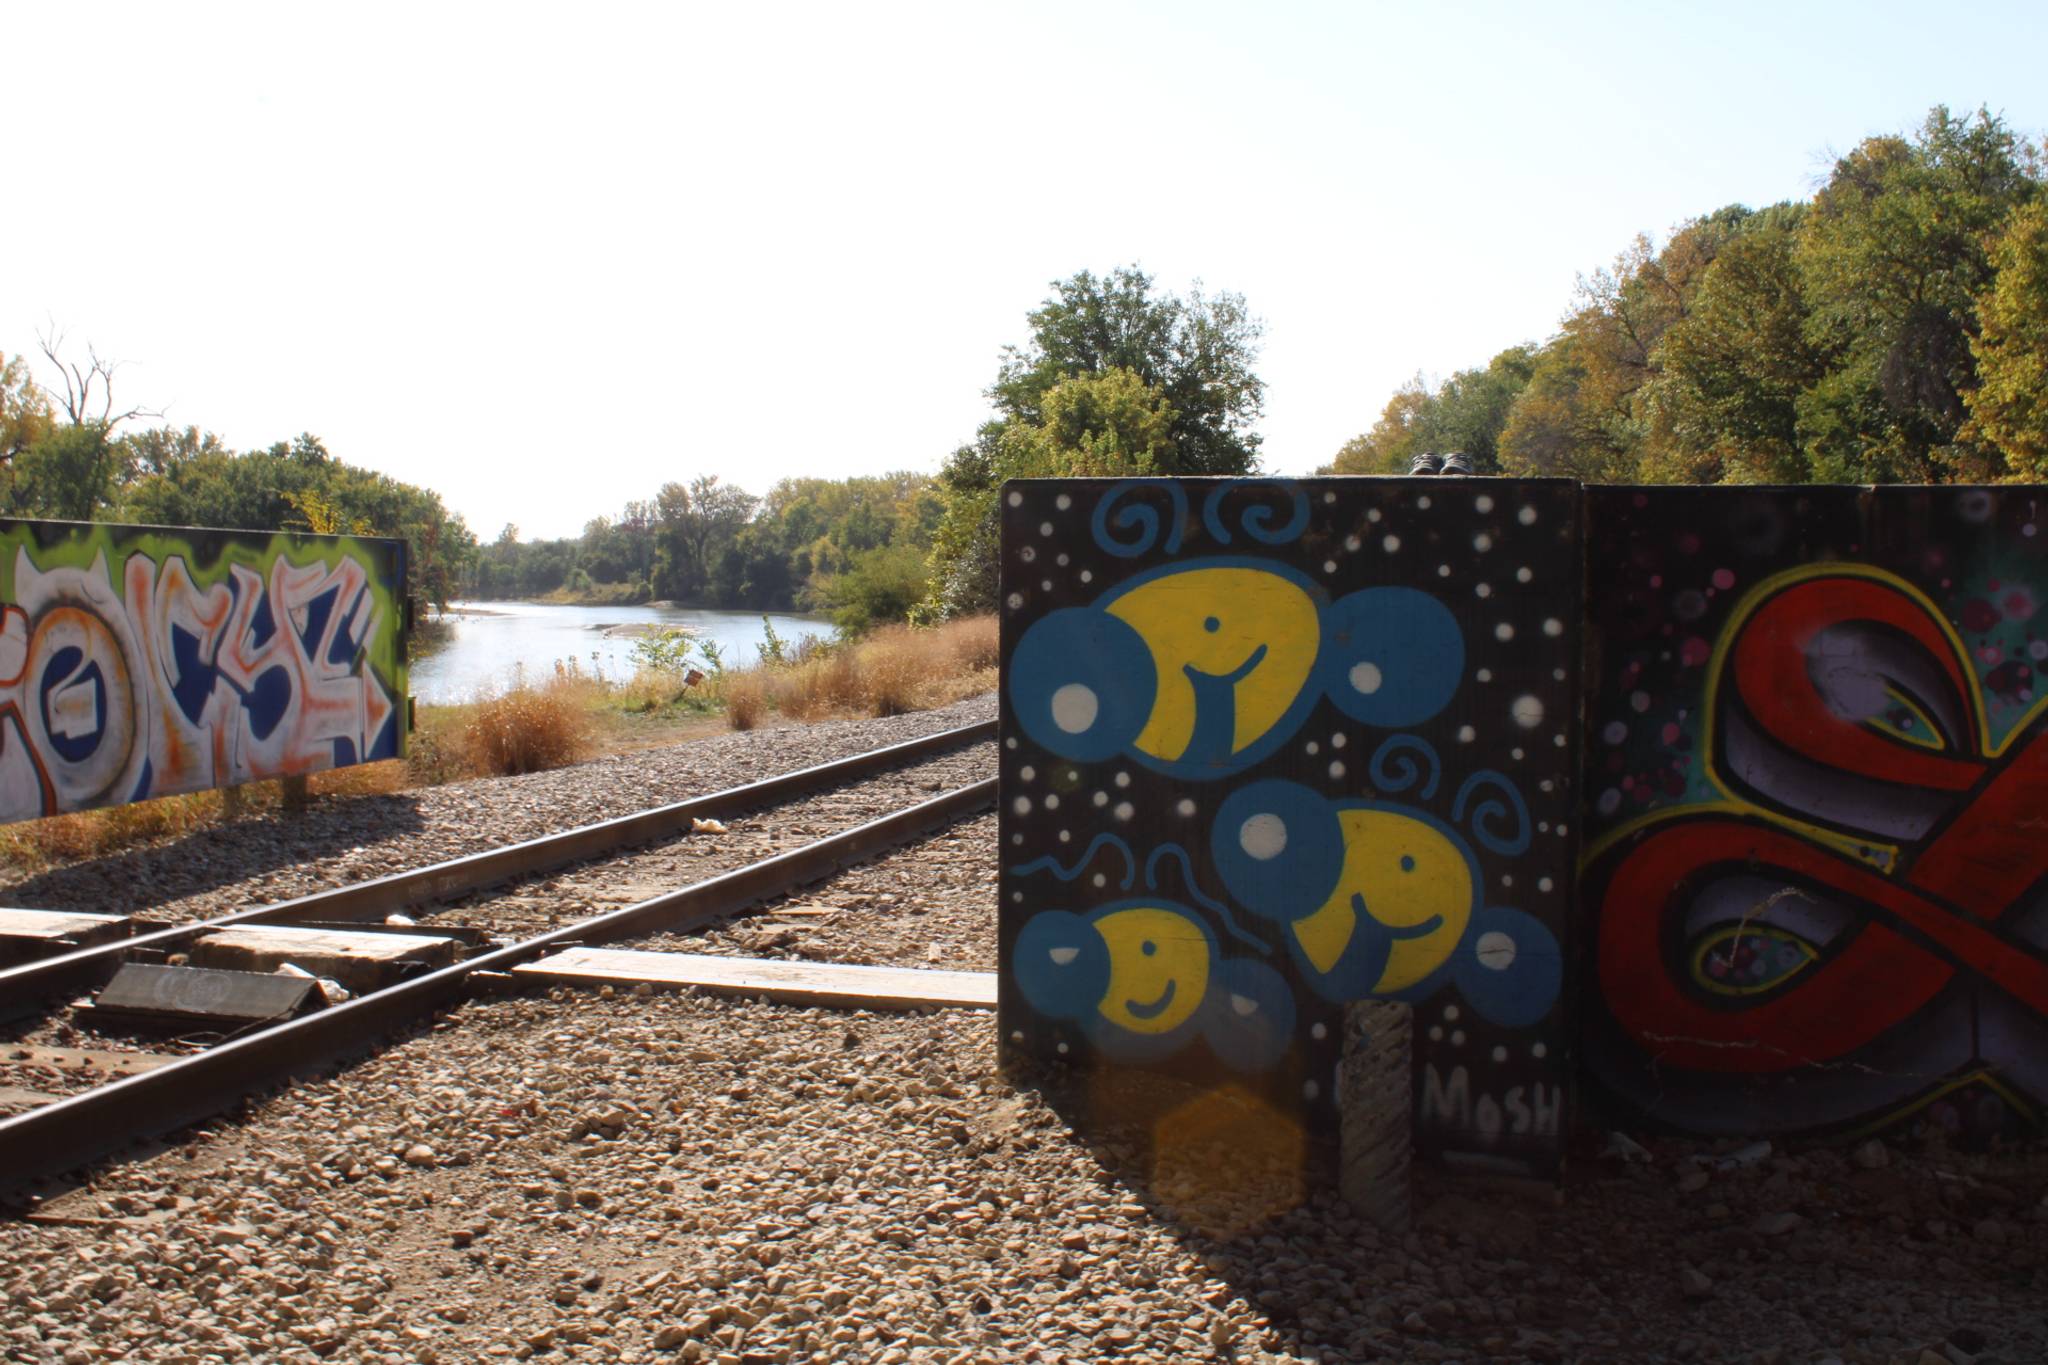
<point>1139,517</point>
<point>1493,809</point>
<point>1393,769</point>
<point>1257,519</point>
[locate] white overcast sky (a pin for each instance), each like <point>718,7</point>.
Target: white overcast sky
<point>544,259</point>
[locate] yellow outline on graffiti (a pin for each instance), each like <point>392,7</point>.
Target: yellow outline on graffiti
<point>1747,930</point>
<point>1880,853</point>
<point>2029,1113</point>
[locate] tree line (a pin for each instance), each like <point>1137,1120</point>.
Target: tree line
<point>64,455</point>
<point>854,547</point>
<point>1892,328</point>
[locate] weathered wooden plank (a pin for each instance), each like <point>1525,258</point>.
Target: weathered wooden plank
<point>358,960</point>
<point>813,983</point>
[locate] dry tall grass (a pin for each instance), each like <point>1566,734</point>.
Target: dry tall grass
<point>890,672</point>
<point>527,729</point>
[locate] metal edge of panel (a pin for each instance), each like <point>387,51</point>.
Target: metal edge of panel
<point>23,987</point>
<point>73,1132</point>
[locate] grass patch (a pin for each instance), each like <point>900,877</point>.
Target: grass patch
<point>889,672</point>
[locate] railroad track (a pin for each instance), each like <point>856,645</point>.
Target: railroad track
<point>69,1132</point>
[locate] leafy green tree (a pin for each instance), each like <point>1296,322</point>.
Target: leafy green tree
<point>1195,352</point>
<point>1465,413</point>
<point>1107,425</point>
<point>1725,403</point>
<point>1894,256</point>
<point>2009,406</point>
<point>24,409</point>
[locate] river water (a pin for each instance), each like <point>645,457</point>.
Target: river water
<point>491,643</point>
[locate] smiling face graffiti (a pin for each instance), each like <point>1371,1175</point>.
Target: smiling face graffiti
<point>1231,648</point>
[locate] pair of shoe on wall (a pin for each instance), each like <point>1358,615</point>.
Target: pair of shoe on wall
<point>1452,463</point>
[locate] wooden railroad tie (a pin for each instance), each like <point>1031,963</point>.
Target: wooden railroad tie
<point>838,984</point>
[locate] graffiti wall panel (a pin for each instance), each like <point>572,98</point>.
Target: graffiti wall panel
<point>1816,773</point>
<point>1270,747</point>
<point>138,662</point>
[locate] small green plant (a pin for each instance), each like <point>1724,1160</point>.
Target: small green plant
<point>774,649</point>
<point>665,651</point>
<point>713,654</point>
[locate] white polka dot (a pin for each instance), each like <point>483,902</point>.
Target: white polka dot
<point>1423,502</point>
<point>1016,600</point>
<point>1017,1035</point>
<point>1457,1037</point>
<point>1366,678</point>
<point>1186,806</point>
<point>1392,543</point>
<point>1482,542</point>
<point>1123,779</point>
<point>1016,499</point>
<point>1087,576</point>
<point>1336,770</point>
<point>1351,542</point>
<point>1539,1050</point>
<point>1329,497</point>
<point>1639,702</point>
<point>1124,810</point>
<point>1061,561</point>
<point>1016,838</point>
<point>1311,748</point>
<point>1318,1031</point>
<point>1010,743</point>
<point>1500,1054</point>
<point>1450,1014</point>
<point>1022,805</point>
<point>1102,798</point>
<point>1372,514</point>
<point>1063,1049</point>
<point>1484,675</point>
<point>1527,516</point>
<point>1436,1034</point>
<point>1052,801</point>
<point>1553,627</point>
<point>1614,732</point>
<point>1066,836</point>
<point>1045,528</point>
<point>1045,584</point>
<point>1074,708</point>
<point>1329,566</point>
<point>1495,950</point>
<point>1443,571</point>
<point>1504,631</point>
<point>1027,772</point>
<point>1100,880</point>
<point>1310,1090</point>
<point>1523,574</point>
<point>1506,879</point>
<point>1027,554</point>
<point>1482,590</point>
<point>1515,754</point>
<point>1544,883</point>
<point>1339,740</point>
<point>1482,503</point>
<point>1017,897</point>
<point>1264,836</point>
<point>1466,734</point>
<point>1063,502</point>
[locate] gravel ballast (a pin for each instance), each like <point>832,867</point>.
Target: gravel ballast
<point>583,1175</point>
